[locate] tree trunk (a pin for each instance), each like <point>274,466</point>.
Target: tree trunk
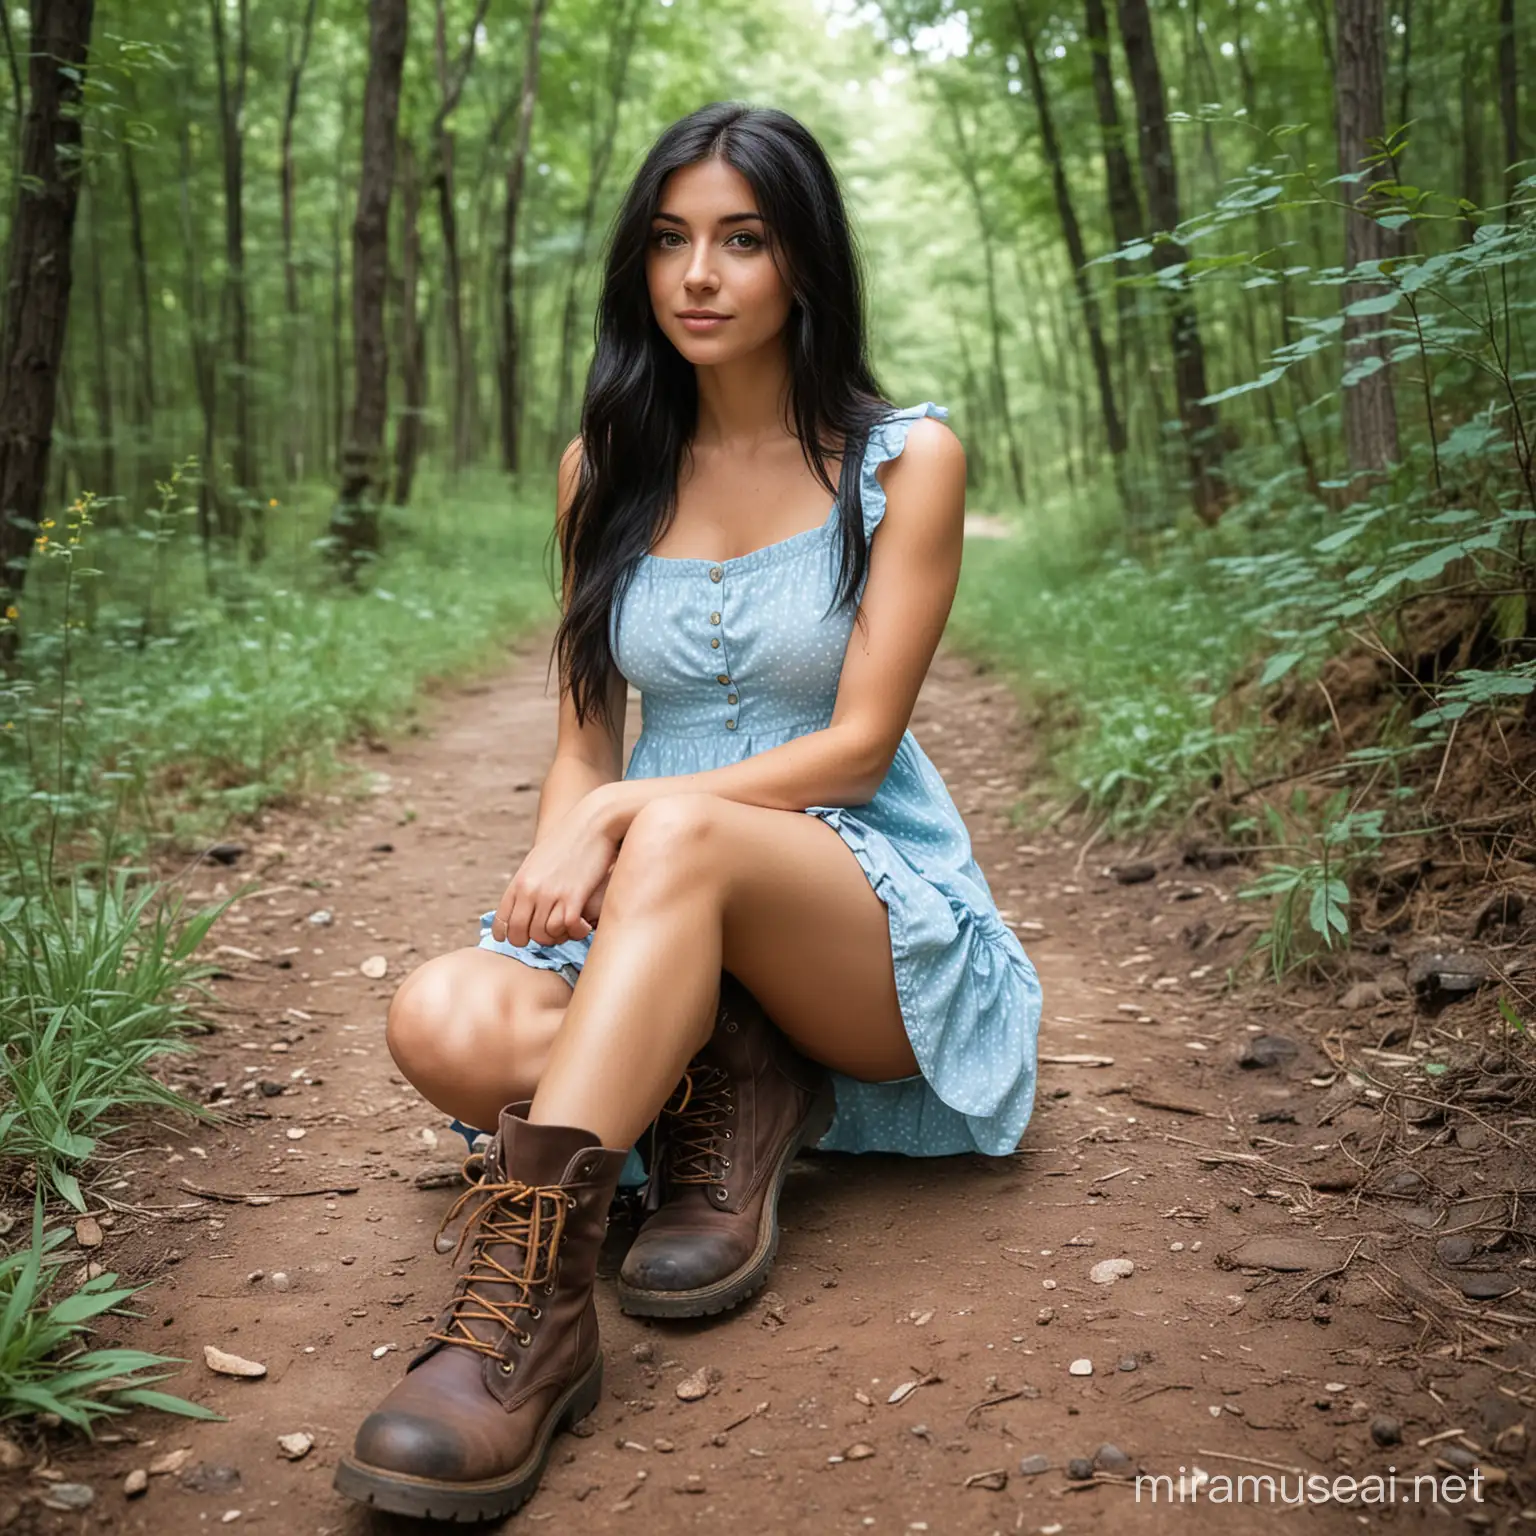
<point>144,395</point>
<point>354,526</point>
<point>1201,430</point>
<point>413,351</point>
<point>337,394</point>
<point>508,371</point>
<point>610,95</point>
<point>232,134</point>
<point>102,375</point>
<point>299,341</point>
<point>1114,430</point>
<point>1509,95</point>
<point>38,282</point>
<point>209,512</point>
<point>1370,415</point>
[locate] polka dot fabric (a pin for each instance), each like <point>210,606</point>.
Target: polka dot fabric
<point>732,657</point>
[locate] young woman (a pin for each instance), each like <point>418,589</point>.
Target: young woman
<point>778,848</point>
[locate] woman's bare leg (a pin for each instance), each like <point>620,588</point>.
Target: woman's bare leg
<point>702,883</point>
<point>472,1030</point>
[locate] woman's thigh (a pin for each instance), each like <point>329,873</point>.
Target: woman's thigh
<point>472,1018</point>
<point>801,927</point>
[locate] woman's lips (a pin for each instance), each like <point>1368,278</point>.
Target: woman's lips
<point>703,322</point>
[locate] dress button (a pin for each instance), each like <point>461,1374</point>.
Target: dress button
<point>730,725</point>
<point>730,698</point>
<point>714,618</point>
<point>714,573</point>
<point>720,677</point>
<point>715,643</point>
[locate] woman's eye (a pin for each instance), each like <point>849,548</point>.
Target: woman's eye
<point>752,241</point>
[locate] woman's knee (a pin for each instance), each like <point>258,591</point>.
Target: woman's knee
<point>666,849</point>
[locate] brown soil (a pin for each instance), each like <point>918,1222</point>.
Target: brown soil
<point>969,1276</point>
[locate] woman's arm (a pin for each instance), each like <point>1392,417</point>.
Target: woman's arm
<point>914,570</point>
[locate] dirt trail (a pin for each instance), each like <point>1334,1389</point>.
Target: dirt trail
<point>969,1276</point>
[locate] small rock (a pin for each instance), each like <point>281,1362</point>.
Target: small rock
<point>1459,1457</point>
<point>1484,1286</point>
<point>1471,1137</point>
<point>1438,978</point>
<point>210,1477</point>
<point>1107,1271</point>
<point>88,1232</point>
<point>1386,1431</point>
<point>279,1281</point>
<point>1459,1248</point>
<point>691,1388</point>
<point>663,1447</point>
<point>1364,994</point>
<point>170,1463</point>
<point>1110,1458</point>
<point>374,967</point>
<point>1133,874</point>
<point>644,1351</point>
<point>11,1455</point>
<point>1045,1315</point>
<point>229,1517</point>
<point>69,1496</point>
<point>1033,1466</point>
<point>1286,1254</point>
<point>1080,1368</point>
<point>1080,1469</point>
<point>225,853</point>
<point>859,1452</point>
<point>382,1350</point>
<point>296,1446</point>
<point>296,1133</point>
<point>322,918</point>
<point>693,1483</point>
<point>268,1089</point>
<point>1127,1363</point>
<point>135,1483</point>
<point>230,1365</point>
<point>1268,1051</point>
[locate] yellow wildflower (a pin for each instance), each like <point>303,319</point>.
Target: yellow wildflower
<point>273,502</point>
<point>47,522</point>
<point>10,612</point>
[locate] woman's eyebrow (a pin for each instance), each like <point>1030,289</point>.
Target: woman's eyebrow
<point>729,218</point>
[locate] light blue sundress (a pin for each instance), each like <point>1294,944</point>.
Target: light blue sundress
<point>732,657</point>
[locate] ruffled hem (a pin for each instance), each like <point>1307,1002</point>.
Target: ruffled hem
<point>970,1001</point>
<point>886,441</point>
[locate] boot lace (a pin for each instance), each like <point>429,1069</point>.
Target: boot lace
<point>531,1217</point>
<point>694,1126</point>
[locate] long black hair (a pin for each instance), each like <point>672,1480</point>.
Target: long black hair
<point>640,408</point>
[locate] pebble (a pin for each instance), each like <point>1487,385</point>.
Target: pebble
<point>231,1365</point>
<point>1386,1431</point>
<point>135,1483</point>
<point>172,1462</point>
<point>374,967</point>
<point>382,1350</point>
<point>859,1452</point>
<point>691,1388</point>
<point>88,1232</point>
<point>644,1351</point>
<point>1175,1247</point>
<point>295,1446</point>
<point>1033,1466</point>
<point>279,1280</point>
<point>229,1516</point>
<point>1080,1469</point>
<point>1107,1271</point>
<point>1284,1253</point>
<point>665,1447</point>
<point>1049,1285</point>
<point>1045,1315</point>
<point>1127,1363</point>
<point>1267,1051</point>
<point>296,1133</point>
<point>69,1496</point>
<point>1110,1458</point>
<point>1080,1368</point>
<point>1484,1287</point>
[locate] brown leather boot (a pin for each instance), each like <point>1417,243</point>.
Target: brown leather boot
<point>514,1355</point>
<point>721,1149</point>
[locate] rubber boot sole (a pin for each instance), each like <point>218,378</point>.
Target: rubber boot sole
<point>402,1494</point>
<point>734,1288</point>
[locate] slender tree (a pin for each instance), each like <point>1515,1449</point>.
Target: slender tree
<point>38,280</point>
<point>1202,439</point>
<point>509,355</point>
<point>298,337</point>
<point>355,518</point>
<point>1072,235</point>
<point>1370,414</point>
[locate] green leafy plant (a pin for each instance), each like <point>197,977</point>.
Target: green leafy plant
<point>45,1364</point>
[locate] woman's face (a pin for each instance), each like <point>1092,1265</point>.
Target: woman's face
<point>709,251</point>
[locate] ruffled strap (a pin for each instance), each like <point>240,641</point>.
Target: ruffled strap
<point>886,440</point>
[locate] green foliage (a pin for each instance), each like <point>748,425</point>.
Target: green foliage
<point>45,1366</point>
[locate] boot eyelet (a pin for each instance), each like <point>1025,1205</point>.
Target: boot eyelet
<point>506,1367</point>
<point>525,1339</point>
<point>727,1135</point>
<point>535,1312</point>
<point>720,1194</point>
<point>725,1162</point>
<point>570,1202</point>
<point>731,1027</point>
<point>549,1289</point>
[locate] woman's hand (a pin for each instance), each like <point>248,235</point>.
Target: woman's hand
<point>557,892</point>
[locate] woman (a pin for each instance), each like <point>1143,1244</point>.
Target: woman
<point>779,846</point>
